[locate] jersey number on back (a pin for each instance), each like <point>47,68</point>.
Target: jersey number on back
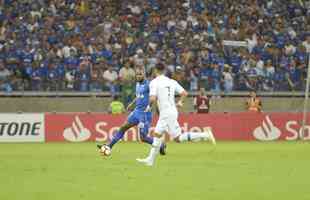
<point>168,91</point>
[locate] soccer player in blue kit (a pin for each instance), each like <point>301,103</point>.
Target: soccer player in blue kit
<point>138,117</point>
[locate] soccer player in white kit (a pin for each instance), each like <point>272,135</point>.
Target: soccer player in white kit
<point>162,91</point>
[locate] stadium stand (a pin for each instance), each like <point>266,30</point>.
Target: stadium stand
<point>68,45</point>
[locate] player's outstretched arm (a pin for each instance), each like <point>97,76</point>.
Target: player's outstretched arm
<point>182,92</point>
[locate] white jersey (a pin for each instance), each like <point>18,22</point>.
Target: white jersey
<point>165,90</point>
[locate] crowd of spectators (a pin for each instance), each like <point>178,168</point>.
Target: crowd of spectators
<point>94,45</point>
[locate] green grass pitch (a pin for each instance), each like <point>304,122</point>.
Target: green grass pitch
<point>233,170</point>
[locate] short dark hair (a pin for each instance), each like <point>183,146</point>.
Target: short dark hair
<point>160,67</point>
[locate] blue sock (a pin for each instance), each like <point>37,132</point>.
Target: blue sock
<point>147,139</point>
<point>116,137</point>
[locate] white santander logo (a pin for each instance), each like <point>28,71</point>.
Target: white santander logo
<point>77,132</point>
<point>267,131</point>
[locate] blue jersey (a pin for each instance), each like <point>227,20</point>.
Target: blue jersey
<point>138,116</point>
<point>142,95</point>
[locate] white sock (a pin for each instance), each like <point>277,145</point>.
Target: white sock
<point>193,136</point>
<point>155,149</point>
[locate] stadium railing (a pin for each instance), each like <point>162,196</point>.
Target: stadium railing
<point>107,94</point>
<point>69,101</point>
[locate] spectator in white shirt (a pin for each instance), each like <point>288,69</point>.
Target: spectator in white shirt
<point>110,76</point>
<point>228,81</point>
<point>306,44</point>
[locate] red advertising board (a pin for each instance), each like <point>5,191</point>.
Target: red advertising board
<point>77,127</point>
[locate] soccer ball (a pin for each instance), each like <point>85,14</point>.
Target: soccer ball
<point>105,150</point>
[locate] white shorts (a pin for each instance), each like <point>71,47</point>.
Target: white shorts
<point>168,124</point>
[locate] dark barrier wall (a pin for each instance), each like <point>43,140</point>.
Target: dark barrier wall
<point>101,104</point>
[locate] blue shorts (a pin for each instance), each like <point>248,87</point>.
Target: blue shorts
<point>142,119</point>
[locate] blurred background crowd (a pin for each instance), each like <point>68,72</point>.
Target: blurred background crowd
<point>94,45</point>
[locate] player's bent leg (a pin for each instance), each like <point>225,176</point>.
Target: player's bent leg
<point>149,161</point>
<point>144,137</point>
<point>160,129</point>
<point>120,134</point>
<point>149,140</point>
<point>117,136</point>
<point>132,120</point>
<point>191,136</point>
<point>195,137</point>
<point>163,146</point>
<point>145,119</point>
